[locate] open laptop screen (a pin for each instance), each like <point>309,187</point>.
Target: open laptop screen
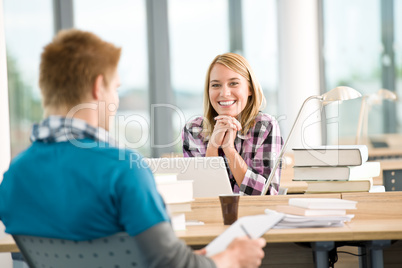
<point>208,173</point>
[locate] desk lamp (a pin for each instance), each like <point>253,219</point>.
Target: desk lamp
<point>336,94</point>
<point>367,102</point>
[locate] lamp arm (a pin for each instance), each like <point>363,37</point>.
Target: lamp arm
<point>361,115</point>
<point>282,152</point>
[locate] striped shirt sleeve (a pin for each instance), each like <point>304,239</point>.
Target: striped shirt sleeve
<point>260,152</point>
<point>193,144</point>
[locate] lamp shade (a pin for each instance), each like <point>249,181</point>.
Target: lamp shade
<point>380,95</point>
<point>387,94</point>
<point>339,94</point>
<point>367,102</point>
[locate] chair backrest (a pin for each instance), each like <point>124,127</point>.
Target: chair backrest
<point>117,251</point>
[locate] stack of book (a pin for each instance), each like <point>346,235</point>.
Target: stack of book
<point>178,195</point>
<point>315,212</point>
<point>335,168</point>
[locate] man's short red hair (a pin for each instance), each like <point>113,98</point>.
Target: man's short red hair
<point>70,64</point>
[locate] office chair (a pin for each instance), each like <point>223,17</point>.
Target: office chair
<point>117,251</point>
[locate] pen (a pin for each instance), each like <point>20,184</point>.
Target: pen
<point>244,230</point>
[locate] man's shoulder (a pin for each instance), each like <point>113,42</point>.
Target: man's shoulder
<point>118,156</point>
<point>82,149</point>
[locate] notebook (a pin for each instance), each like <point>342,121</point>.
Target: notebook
<point>209,175</point>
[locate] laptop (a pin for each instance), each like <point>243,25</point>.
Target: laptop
<point>208,173</point>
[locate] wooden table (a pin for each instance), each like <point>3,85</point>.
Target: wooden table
<point>208,210</point>
<point>7,244</point>
<point>378,220</point>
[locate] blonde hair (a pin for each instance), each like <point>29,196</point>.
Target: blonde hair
<point>255,102</point>
<point>70,64</point>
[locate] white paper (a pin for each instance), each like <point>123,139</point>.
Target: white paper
<point>256,226</point>
<point>296,221</point>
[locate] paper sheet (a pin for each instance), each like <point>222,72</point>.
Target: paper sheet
<point>256,226</point>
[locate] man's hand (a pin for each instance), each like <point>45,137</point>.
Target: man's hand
<point>242,252</point>
<point>202,251</point>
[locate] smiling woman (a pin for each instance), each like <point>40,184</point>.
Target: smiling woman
<point>234,127</point>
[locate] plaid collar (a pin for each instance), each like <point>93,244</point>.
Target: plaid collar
<point>61,129</point>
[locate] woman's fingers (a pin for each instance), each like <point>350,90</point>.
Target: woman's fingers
<point>228,121</point>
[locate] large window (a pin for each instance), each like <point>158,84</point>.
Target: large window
<point>261,47</point>
<point>398,58</point>
<point>28,27</point>
<point>352,53</point>
<point>198,32</point>
<point>123,23</point>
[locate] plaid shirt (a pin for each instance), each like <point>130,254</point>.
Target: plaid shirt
<point>259,148</point>
<point>61,129</point>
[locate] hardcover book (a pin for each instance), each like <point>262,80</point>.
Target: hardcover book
<point>322,203</point>
<point>331,155</point>
<point>363,185</point>
<point>293,210</point>
<point>366,170</point>
<point>173,190</point>
<point>178,207</point>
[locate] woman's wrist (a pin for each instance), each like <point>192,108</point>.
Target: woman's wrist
<point>228,150</point>
<point>211,150</point>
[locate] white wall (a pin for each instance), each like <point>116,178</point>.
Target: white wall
<point>5,258</point>
<point>298,70</point>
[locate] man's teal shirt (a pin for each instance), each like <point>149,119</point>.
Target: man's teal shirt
<point>62,190</point>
